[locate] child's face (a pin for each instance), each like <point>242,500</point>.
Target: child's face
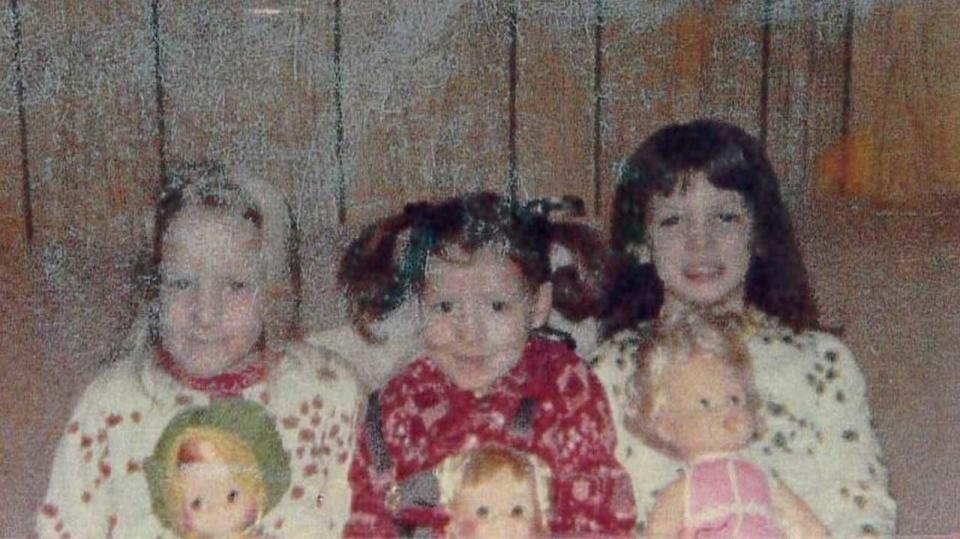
<point>211,301</point>
<point>477,313</point>
<point>700,241</point>
<point>499,506</point>
<point>704,406</point>
<point>214,503</point>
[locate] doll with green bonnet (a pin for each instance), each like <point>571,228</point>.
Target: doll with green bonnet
<point>217,470</point>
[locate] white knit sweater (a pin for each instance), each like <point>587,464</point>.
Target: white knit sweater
<point>818,438</point>
<point>98,488</point>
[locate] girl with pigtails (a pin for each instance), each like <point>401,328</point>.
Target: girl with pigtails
<point>490,376</point>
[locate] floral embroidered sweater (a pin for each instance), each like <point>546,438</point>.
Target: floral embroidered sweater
<point>98,487</point>
<point>426,418</point>
<point>818,438</point>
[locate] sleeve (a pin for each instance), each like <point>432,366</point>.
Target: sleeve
<point>591,492</point>
<point>370,479</point>
<point>75,503</point>
<point>820,440</point>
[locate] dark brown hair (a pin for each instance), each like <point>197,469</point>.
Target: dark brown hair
<point>377,279</point>
<point>776,280</point>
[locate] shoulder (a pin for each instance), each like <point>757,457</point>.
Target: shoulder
<point>309,367</point>
<point>823,363</point>
<point>120,384</point>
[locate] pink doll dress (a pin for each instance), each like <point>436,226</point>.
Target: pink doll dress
<point>727,496</point>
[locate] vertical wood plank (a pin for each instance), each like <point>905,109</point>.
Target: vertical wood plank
<point>254,83</point>
<point>905,103</point>
<point>806,83</point>
<point>425,91</point>
<point>90,121</point>
<point>12,212</point>
<point>674,62</point>
<point>555,98</point>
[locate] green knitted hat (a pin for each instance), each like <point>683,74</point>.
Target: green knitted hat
<point>246,420</point>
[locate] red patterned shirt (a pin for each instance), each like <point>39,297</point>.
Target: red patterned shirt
<point>564,419</point>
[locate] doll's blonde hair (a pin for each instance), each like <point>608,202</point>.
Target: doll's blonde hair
<point>226,448</point>
<point>479,465</point>
<point>674,340</point>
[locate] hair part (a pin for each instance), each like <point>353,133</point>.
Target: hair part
<point>776,281</point>
<point>378,278</point>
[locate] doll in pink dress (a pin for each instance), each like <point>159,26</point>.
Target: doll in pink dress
<point>692,397</point>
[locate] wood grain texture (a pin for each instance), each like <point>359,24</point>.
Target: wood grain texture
<point>12,211</point>
<point>806,83</point>
<point>674,62</point>
<point>88,97</point>
<point>555,98</point>
<point>904,143</point>
<point>253,84</point>
<point>425,96</point>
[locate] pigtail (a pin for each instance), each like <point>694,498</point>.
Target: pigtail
<point>369,274</point>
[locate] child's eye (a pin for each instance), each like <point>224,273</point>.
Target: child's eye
<point>729,217</point>
<point>237,286</point>
<point>179,284</point>
<point>232,497</point>
<point>705,403</point>
<point>196,504</point>
<point>735,400</point>
<point>673,220</point>
<point>483,511</point>
<point>498,306</point>
<point>445,307</point>
<point>517,511</point>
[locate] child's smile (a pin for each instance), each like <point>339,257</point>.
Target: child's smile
<point>477,315</point>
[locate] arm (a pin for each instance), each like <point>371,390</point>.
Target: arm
<point>795,514</point>
<point>72,504</point>
<point>369,484</point>
<point>591,492</point>
<point>666,517</point>
<point>819,440</point>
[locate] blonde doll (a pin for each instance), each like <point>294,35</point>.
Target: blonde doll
<point>217,470</point>
<point>693,398</point>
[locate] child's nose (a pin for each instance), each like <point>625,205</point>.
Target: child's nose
<point>469,326</point>
<point>209,307</point>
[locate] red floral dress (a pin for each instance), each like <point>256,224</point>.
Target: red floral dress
<point>549,405</point>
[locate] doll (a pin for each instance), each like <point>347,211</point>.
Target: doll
<point>217,470</point>
<point>497,494</point>
<point>692,397</point>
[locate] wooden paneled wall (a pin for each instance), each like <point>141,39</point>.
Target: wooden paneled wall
<point>356,107</point>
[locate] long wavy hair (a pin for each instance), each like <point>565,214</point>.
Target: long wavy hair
<point>731,159</point>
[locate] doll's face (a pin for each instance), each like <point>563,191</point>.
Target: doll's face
<point>703,407</point>
<point>214,502</point>
<point>501,505</point>
<point>700,243</point>
<point>211,300</point>
<point>477,313</point>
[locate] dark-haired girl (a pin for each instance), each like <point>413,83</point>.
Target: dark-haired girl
<point>700,226</point>
<point>479,266</point>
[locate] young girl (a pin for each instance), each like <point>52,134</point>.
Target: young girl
<point>221,294</point>
<point>693,399</point>
<point>480,268</point>
<point>698,217</point>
